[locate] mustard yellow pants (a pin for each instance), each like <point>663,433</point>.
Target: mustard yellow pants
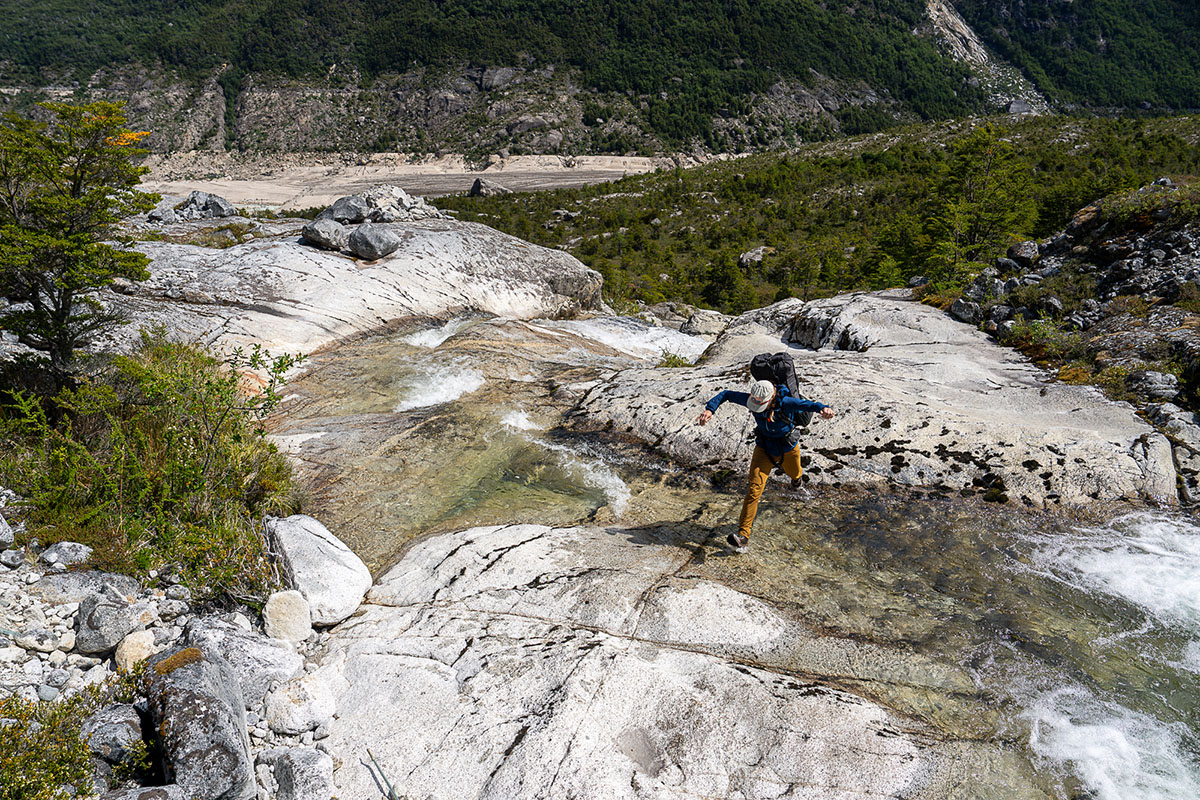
<point>760,469</point>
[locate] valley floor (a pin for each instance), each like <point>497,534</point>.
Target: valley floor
<point>296,180</point>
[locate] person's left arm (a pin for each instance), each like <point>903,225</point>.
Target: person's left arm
<point>798,404</point>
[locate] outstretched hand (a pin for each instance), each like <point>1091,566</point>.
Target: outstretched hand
<point>704,417</point>
<point>828,413</point>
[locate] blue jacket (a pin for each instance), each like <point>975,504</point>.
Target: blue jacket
<point>772,434</point>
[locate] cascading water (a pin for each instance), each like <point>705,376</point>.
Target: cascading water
<point>1077,646</point>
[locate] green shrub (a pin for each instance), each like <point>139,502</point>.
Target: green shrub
<point>158,462</point>
<point>1046,343</point>
<point>670,359</point>
<point>41,751</point>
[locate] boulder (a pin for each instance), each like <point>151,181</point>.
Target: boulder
<point>72,587</point>
<point>753,257</point>
<point>372,241</point>
<point>1154,385</point>
<point>347,210</point>
<point>104,619</point>
<point>483,187</point>
<point>1024,253</point>
<point>12,558</point>
<point>202,205</point>
<point>304,774</point>
<point>112,731</point>
<point>327,234</point>
<point>1006,266</point>
<point>65,554</point>
<point>496,77</point>
<point>967,311</point>
<point>1183,429</point>
<point>329,575</point>
<point>305,703</point>
<point>704,323</point>
<point>6,534</point>
<point>39,640</point>
<point>286,616</point>
<point>137,646</point>
<point>256,660</point>
<point>197,708</point>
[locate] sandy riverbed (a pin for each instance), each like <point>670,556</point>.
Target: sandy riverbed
<point>295,180</point>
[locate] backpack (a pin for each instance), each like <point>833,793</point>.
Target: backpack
<point>779,369</point>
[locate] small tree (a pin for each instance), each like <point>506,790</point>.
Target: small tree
<point>64,186</point>
<point>986,193</point>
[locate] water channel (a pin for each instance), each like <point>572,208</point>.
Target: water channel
<point>1071,641</point>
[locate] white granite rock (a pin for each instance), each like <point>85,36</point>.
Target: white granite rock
<point>287,616</point>
<point>922,400</point>
<point>316,562</point>
<point>526,661</point>
<point>307,702</point>
<point>135,647</point>
<point>290,297</point>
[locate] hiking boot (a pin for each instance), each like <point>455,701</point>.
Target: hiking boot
<point>739,543</point>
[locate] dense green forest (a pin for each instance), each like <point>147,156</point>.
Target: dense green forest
<point>1098,53</point>
<point>692,59</point>
<point>939,201</point>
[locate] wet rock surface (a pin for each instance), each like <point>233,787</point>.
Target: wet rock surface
<point>922,401</point>
<point>534,661</point>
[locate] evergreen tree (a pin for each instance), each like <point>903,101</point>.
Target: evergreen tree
<point>64,185</point>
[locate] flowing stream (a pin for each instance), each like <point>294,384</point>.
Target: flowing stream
<point>1072,643</point>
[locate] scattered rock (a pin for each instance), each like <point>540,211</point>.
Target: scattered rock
<point>482,187</point>
<point>6,534</point>
<point>73,587</point>
<point>65,554</point>
<point>137,646</point>
<point>287,616</point>
<point>327,572</point>
<point>104,620</point>
<point>303,774</point>
<point>327,234</point>
<point>12,558</point>
<point>256,660</point>
<point>372,241</point>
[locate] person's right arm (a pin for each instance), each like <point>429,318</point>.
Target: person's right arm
<point>725,396</point>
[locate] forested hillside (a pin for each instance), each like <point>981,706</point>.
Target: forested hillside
<point>940,201</point>
<point>692,59</point>
<point>1104,53</point>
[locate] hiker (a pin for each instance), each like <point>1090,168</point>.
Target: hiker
<point>776,441</point>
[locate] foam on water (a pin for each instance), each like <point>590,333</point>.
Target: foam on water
<point>1149,559</point>
<point>1117,753</point>
<point>519,421</point>
<point>635,337</point>
<point>439,385</point>
<point>594,473</point>
<point>432,337</point>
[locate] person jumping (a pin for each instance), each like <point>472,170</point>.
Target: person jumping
<point>776,442</point>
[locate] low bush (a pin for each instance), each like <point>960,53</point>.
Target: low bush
<point>159,462</point>
<point>43,755</point>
